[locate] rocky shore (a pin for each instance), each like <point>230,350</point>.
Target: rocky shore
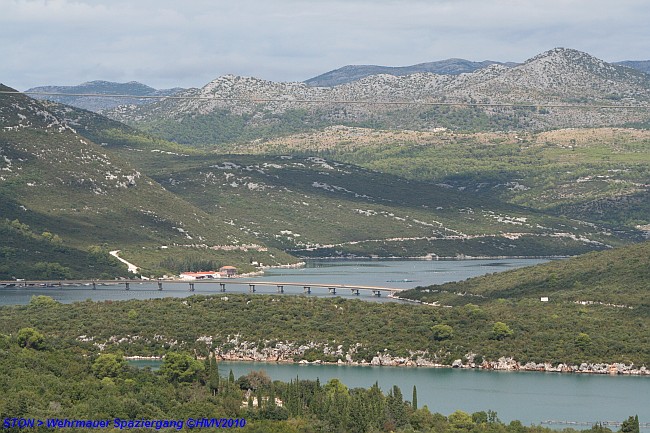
<point>287,352</point>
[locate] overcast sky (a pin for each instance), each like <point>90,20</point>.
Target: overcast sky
<point>172,43</point>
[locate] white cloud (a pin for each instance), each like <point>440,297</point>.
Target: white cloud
<point>167,43</point>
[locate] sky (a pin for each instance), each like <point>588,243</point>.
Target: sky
<point>172,43</point>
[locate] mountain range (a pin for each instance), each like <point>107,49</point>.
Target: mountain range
<point>349,73</point>
<point>558,88</point>
<point>260,172</point>
<point>343,75</point>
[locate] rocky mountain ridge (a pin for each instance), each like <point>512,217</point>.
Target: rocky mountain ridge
<point>559,77</point>
<point>350,73</point>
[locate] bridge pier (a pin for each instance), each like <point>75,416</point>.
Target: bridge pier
<point>251,288</point>
<point>127,287</point>
<point>280,289</point>
<point>191,287</point>
<point>332,290</point>
<point>377,293</point>
<point>306,289</point>
<point>159,285</point>
<point>222,287</point>
<point>355,292</point>
<point>94,285</point>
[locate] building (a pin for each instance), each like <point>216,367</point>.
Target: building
<point>228,271</point>
<point>199,275</point>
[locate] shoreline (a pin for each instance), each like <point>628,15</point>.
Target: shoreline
<point>504,364</point>
<point>436,258</point>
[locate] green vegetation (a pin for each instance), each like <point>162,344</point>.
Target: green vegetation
<point>28,255</point>
<point>172,208</point>
<point>221,126</point>
<point>595,175</point>
<point>491,316</point>
<point>314,207</point>
<point>64,206</point>
<point>69,381</point>
<point>619,279</point>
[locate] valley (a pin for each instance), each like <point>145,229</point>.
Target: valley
<point>547,158</point>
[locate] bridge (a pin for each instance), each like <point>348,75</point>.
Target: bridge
<point>592,423</point>
<point>252,285</point>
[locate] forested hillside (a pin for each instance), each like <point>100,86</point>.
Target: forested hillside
<point>60,187</point>
<point>54,382</point>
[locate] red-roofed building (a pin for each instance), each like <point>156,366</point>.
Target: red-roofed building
<point>199,275</point>
<point>228,271</point>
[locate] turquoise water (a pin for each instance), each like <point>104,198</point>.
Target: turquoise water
<point>527,396</point>
<point>402,274</point>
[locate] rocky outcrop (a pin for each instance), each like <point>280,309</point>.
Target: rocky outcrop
<point>557,77</point>
<point>310,353</point>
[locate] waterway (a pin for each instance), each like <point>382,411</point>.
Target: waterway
<point>403,274</point>
<point>530,397</point>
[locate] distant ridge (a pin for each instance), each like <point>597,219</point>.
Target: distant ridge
<point>639,65</point>
<point>101,87</point>
<point>350,73</point>
<point>233,108</point>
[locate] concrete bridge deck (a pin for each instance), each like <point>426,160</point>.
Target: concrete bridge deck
<point>252,284</point>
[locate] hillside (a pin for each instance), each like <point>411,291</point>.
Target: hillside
<point>311,206</point>
<point>280,199</point>
<point>593,174</point>
<point>350,73</point>
<point>617,279</point>
<point>231,109</point>
<point>54,180</point>
<point>640,65</point>
<point>100,103</point>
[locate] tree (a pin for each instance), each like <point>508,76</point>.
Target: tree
<point>395,407</point>
<point>414,401</point>
<point>42,301</point>
<point>108,365</point>
<point>180,367</point>
<point>631,425</point>
<point>337,404</point>
<point>461,420</point>
<point>30,338</point>
<point>254,380</point>
<point>500,331</point>
<point>213,376</point>
<point>583,341</point>
<point>442,332</point>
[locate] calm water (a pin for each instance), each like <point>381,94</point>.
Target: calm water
<point>528,397</point>
<point>382,273</point>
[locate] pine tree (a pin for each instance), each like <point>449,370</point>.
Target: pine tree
<point>414,401</point>
<point>213,376</point>
<point>395,407</point>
